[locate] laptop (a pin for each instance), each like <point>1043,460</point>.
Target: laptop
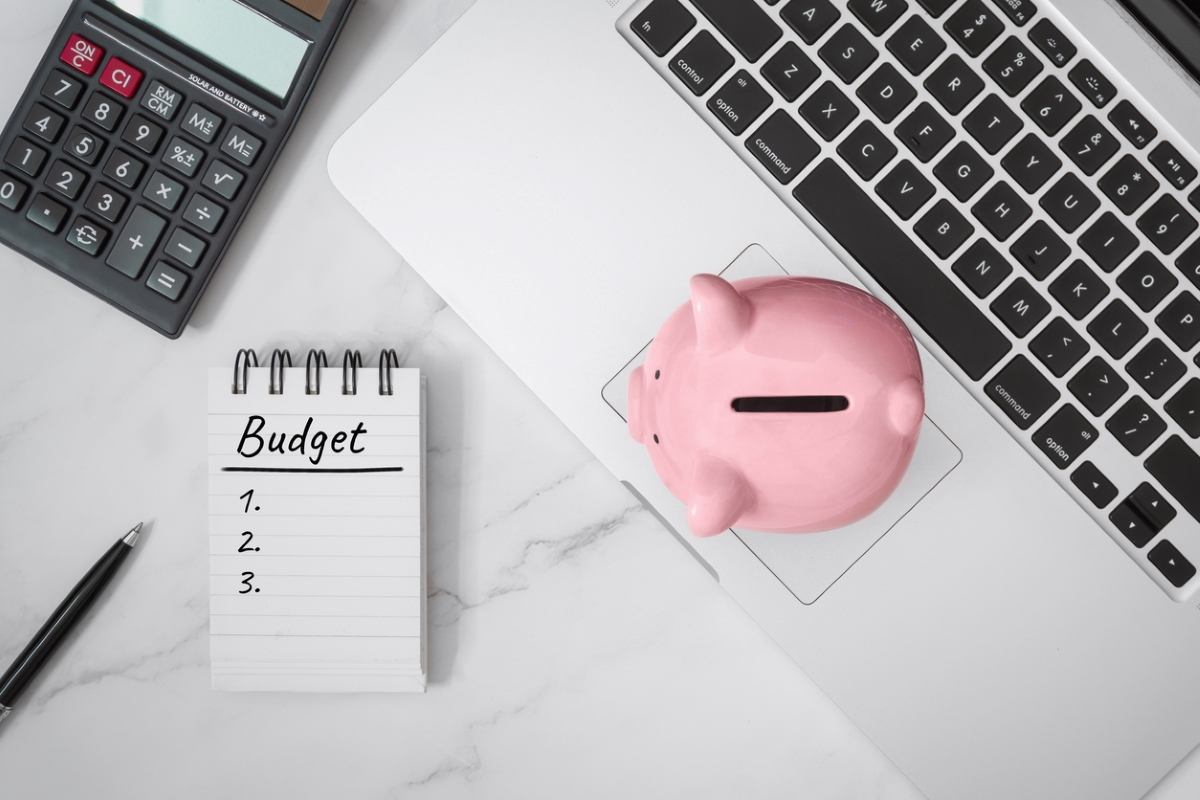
<point>1016,179</point>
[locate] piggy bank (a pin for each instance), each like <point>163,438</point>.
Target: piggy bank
<point>785,404</point>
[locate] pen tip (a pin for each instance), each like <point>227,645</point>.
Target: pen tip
<point>132,537</point>
<point>137,528</point>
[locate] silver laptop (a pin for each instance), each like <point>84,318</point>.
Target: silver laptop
<point>1020,619</point>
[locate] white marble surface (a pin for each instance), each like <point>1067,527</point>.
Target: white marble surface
<point>576,649</point>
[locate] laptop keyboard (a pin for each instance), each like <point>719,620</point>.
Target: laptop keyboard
<point>983,165</point>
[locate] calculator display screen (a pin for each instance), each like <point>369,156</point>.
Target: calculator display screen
<point>233,35</point>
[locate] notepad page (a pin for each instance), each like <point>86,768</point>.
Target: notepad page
<point>316,534</point>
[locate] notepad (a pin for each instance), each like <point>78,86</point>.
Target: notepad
<point>316,532</point>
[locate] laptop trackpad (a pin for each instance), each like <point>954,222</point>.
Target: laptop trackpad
<point>809,563</point>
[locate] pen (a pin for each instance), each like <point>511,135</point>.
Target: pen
<point>38,651</point>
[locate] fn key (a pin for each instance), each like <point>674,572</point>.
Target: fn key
<point>662,25</point>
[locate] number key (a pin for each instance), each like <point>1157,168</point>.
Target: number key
<point>1166,223</point>
<point>62,89</point>
<point>66,179</point>
<point>1128,184</point>
<point>142,134</point>
<point>103,110</point>
<point>124,169</point>
<point>974,26</point>
<point>26,157</point>
<point>1089,145</point>
<point>1012,66</point>
<point>12,192</point>
<point>44,123</point>
<point>106,202</point>
<point>84,145</point>
<point>1051,105</point>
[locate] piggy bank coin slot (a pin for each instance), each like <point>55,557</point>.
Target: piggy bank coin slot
<point>799,404</point>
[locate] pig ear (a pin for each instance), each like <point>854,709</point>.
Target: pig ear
<point>906,406</point>
<point>718,496</point>
<point>722,315</point>
<point>634,398</point>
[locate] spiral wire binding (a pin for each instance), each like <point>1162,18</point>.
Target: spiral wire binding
<point>387,360</point>
<point>277,363</point>
<point>241,366</point>
<point>351,363</point>
<point>312,373</point>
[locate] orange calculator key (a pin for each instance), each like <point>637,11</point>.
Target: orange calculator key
<point>82,54</point>
<point>121,78</point>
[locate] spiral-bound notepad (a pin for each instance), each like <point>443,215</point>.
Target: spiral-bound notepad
<point>316,526</point>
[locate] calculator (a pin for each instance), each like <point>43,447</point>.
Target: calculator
<point>145,135</point>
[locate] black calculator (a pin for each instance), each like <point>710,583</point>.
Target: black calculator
<point>145,135</point>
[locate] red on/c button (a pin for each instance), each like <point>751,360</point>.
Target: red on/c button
<point>82,54</point>
<point>120,77</point>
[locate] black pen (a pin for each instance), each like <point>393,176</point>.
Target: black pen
<point>62,620</point>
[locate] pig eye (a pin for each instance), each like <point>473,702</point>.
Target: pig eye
<point>656,374</point>
<point>656,438</point>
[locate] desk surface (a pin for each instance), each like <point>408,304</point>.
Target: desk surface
<point>575,649</point>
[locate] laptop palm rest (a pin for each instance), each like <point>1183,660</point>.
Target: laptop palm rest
<point>808,564</point>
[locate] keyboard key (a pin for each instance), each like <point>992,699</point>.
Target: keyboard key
<point>1092,84</point>
<point>1132,524</point>
<point>1079,289</point>
<point>1065,436</point>
<point>782,146</point>
<point>124,169</point>
<point>1128,184</point>
<point>1167,224</point>
<point>1156,368</point>
<point>1136,426</point>
<point>924,132</point>
<point>12,192</point>
<point>662,25</point>
<point>26,157</point>
<point>915,45</point>
<point>202,123</point>
<point>890,256</point>
<point>132,248</point>
<point>167,281</point>
<point>1051,42</point>
<point>1147,281</point>
<point>1173,166</point>
<point>185,248</point>
<point>46,213</point>
<point>828,111</point>
<point>142,134</point>
<point>84,145</point>
<point>1171,563</point>
<point>1020,307</point>
<point>1117,329</point>
<point>886,93</point>
<point>981,268</point>
<point>223,179</point>
<point>163,190</point>
<point>1184,408</point>
<point>1180,321</point>
<point>1152,506</point>
<point>1094,484</point>
<point>1108,242</point>
<point>66,179</point>
<point>974,26</point>
<point>1189,262</point>
<point>936,7</point>
<point>1089,145</point>
<point>992,123</point>
<point>121,77</point>
<point>1012,66</point>
<point>1022,392</point>
<point>87,236</point>
<point>1132,125</point>
<point>1059,347</point>
<point>204,213</point>
<point>905,189</point>
<point>62,89</point>
<point>1001,210</point>
<point>742,22</point>
<point>877,16</point>
<point>164,101</point>
<point>1176,466</point>
<point>1069,202</point>
<point>1040,250</point>
<point>105,203</point>
<point>81,54</point>
<point>954,84</point>
<point>44,123</point>
<point>700,63</point>
<point>790,71</point>
<point>943,228</point>
<point>963,171</point>
<point>186,158</point>
<point>848,53</point>
<point>867,150</point>
<point>1031,163</point>
<point>103,111</point>
<point>1097,386</point>
<point>810,18</point>
<point>1051,105</point>
<point>1019,11</point>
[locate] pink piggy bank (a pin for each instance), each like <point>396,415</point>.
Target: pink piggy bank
<point>786,404</point>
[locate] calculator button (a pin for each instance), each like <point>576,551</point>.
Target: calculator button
<point>66,179</point>
<point>203,213</point>
<point>133,247</point>
<point>84,145</point>
<point>106,202</point>
<point>167,281</point>
<point>62,89</point>
<point>124,169</point>
<point>121,77</point>
<point>186,248</point>
<point>223,179</point>
<point>44,123</point>
<point>26,157</point>
<point>86,235</point>
<point>46,213</point>
<point>202,123</point>
<point>82,54</point>
<point>241,146</point>
<point>162,100</point>
<point>183,157</point>
<point>142,134</point>
<point>12,191</point>
<point>164,190</point>
<point>103,110</point>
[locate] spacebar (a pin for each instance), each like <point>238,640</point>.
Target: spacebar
<point>892,258</point>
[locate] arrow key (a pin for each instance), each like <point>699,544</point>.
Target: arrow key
<point>1058,347</point>
<point>1171,563</point>
<point>1132,524</point>
<point>1153,506</point>
<point>1093,483</point>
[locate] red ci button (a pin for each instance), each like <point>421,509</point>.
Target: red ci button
<point>82,54</point>
<point>121,78</point>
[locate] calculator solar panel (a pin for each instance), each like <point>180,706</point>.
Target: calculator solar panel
<point>132,158</point>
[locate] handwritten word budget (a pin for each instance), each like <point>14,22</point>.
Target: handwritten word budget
<point>316,533</point>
